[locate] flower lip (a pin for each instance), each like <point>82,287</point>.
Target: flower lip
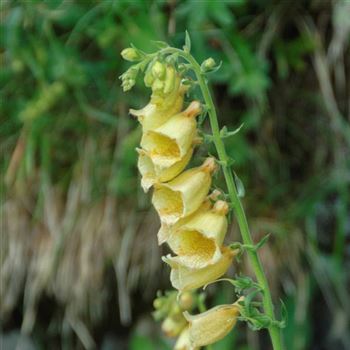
<point>168,203</point>
<point>166,230</point>
<point>197,241</point>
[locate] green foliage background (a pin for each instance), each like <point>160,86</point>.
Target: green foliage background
<point>65,125</point>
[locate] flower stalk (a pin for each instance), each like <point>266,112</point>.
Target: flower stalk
<point>180,199</point>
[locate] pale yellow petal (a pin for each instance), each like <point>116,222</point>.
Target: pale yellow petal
<point>193,249</point>
<point>183,195</point>
<point>166,231</point>
<point>212,325</point>
<point>184,278</point>
<point>197,241</point>
<point>152,174</point>
<point>159,110</point>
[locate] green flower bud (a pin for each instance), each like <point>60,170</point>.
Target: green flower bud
<point>157,303</point>
<point>170,79</point>
<point>208,64</point>
<point>131,54</point>
<point>148,78</point>
<point>158,70</point>
<point>186,301</point>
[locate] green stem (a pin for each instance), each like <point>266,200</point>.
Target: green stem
<point>274,331</point>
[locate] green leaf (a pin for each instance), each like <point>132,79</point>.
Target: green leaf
<point>239,186</point>
<point>187,47</point>
<point>262,241</point>
<point>224,132</point>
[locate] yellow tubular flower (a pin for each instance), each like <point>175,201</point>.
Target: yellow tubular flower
<point>212,325</point>
<point>166,230</point>
<point>152,173</point>
<point>184,278</point>
<point>160,109</point>
<point>198,241</point>
<point>183,195</point>
<point>184,342</point>
<point>169,143</point>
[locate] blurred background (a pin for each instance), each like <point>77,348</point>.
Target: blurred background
<point>80,265</point>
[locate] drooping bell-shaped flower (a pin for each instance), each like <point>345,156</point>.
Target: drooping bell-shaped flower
<point>184,278</point>
<point>183,195</point>
<point>212,325</point>
<point>198,242</point>
<point>169,143</point>
<point>152,173</point>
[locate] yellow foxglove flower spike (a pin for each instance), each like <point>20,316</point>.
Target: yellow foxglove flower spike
<point>184,278</point>
<point>169,143</point>
<point>182,196</point>
<point>166,230</point>
<point>160,109</point>
<point>184,342</point>
<point>152,173</point>
<point>198,241</point>
<point>212,325</point>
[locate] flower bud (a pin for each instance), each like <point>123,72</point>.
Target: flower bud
<point>184,278</point>
<point>212,325</point>
<point>169,89</point>
<point>208,64</point>
<point>131,54</point>
<point>158,303</point>
<point>169,143</point>
<point>148,78</point>
<point>186,301</point>
<point>158,70</point>
<point>158,85</point>
<point>170,79</point>
<point>173,325</point>
<point>183,195</point>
